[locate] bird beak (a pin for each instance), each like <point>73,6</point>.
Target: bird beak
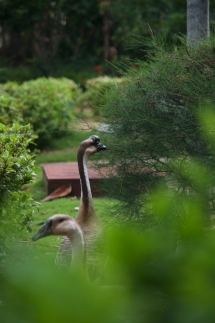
<point>100,146</point>
<point>45,230</point>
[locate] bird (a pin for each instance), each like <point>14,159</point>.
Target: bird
<point>86,221</point>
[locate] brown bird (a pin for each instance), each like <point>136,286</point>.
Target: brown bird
<point>85,234</point>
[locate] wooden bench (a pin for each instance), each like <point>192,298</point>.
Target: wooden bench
<point>56,175</point>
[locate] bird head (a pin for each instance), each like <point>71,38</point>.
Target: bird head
<point>58,224</point>
<point>93,145</point>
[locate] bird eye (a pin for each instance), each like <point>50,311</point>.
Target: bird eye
<point>61,220</point>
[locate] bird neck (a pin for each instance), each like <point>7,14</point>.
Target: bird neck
<point>86,210</point>
<point>78,248</point>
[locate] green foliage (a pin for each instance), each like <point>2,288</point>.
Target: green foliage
<point>165,274</point>
<point>74,71</point>
<point>46,29</point>
<point>16,170</point>
<point>44,103</point>
<point>43,32</point>
<point>17,74</point>
<point>65,38</point>
<point>93,96</point>
<point>9,107</point>
<point>155,120</point>
<point>166,19</point>
<point>70,70</point>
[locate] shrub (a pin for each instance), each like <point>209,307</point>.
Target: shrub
<point>154,119</point>
<point>44,103</point>
<point>9,106</point>
<point>16,170</point>
<point>151,276</point>
<point>93,97</point>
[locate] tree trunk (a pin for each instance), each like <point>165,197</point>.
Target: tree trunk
<point>197,21</point>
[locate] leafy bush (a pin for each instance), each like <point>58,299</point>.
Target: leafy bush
<point>44,103</point>
<point>168,276</point>
<point>156,118</point>
<point>10,107</point>
<point>165,274</point>
<point>93,97</point>
<point>16,170</point>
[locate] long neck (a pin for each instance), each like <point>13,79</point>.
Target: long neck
<point>86,194</point>
<point>86,209</point>
<point>78,249</point>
